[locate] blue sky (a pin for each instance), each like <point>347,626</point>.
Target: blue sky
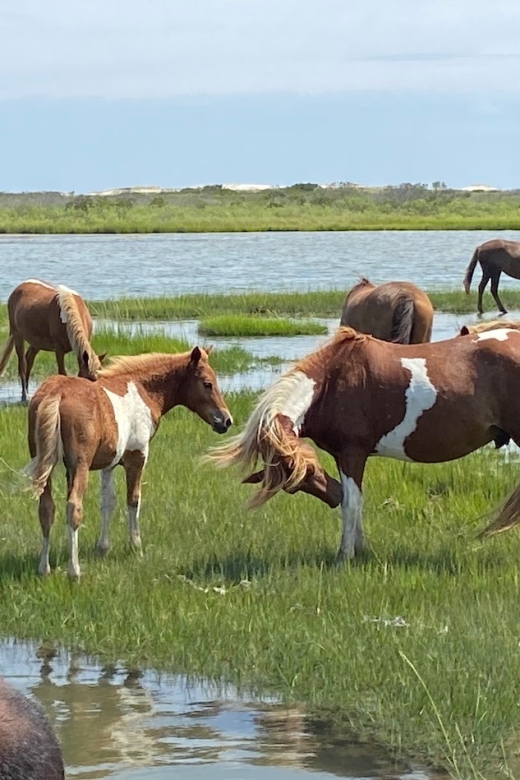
<point>185,92</point>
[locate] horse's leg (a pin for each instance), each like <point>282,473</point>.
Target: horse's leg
<point>482,286</point>
<point>78,481</point>
<point>134,463</point>
<point>60,360</point>
<point>19,347</point>
<point>351,466</point>
<point>108,504</point>
<point>46,516</point>
<point>495,278</point>
<point>29,362</point>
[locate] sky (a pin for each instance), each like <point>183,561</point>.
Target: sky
<point>174,93</point>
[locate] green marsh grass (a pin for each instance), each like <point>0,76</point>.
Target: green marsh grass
<point>415,644</point>
<point>243,325</point>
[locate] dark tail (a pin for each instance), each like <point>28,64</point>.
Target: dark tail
<point>508,517</point>
<point>402,321</point>
<point>469,270</point>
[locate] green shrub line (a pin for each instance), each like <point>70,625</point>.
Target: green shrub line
<point>247,325</point>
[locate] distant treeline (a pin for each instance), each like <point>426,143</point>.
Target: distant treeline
<point>299,207</point>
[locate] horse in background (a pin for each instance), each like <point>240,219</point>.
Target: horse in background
<point>52,318</point>
<point>99,425</point>
<point>358,396</point>
<point>394,311</point>
<point>495,256</point>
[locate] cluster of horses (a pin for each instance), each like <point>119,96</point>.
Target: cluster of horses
<point>378,387</point>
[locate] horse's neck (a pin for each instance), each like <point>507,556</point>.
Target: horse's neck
<point>164,389</point>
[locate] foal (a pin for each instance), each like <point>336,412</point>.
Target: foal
<point>99,425</point>
<point>51,318</point>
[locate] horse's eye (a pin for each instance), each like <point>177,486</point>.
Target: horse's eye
<point>208,385</point>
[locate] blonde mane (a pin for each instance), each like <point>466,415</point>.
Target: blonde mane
<point>136,364</point>
<point>265,437</point>
<point>79,340</point>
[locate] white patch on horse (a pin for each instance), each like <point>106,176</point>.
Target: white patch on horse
<point>420,396</point>
<point>351,509</point>
<point>500,334</point>
<point>134,422</point>
<point>295,407</point>
<point>42,284</point>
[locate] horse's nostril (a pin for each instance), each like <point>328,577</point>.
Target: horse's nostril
<point>229,422</point>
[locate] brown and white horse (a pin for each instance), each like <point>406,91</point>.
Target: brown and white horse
<point>102,424</point>
<point>52,318</point>
<point>395,311</point>
<point>358,396</point>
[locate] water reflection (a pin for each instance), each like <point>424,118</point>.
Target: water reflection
<point>116,722</point>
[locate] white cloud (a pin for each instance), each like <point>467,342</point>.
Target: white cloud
<point>164,48</point>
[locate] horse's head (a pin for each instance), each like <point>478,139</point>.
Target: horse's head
<point>200,392</point>
<point>89,365</point>
<point>315,480</point>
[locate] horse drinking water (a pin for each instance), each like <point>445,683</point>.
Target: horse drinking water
<point>395,311</point>
<point>358,396</point>
<point>98,425</point>
<point>51,318</point>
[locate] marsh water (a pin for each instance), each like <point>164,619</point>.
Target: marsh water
<point>132,724</point>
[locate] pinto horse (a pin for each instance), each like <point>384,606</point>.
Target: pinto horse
<point>358,396</point>
<point>495,256</point>
<point>98,425</point>
<point>51,318</point>
<point>395,311</point>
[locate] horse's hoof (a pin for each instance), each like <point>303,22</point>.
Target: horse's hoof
<point>101,550</point>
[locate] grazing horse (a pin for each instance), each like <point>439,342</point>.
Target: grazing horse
<point>395,311</point>
<point>51,318</point>
<point>358,396</point>
<point>494,257</point>
<point>482,327</point>
<point>28,746</point>
<point>98,425</point>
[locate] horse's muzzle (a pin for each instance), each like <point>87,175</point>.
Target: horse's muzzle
<point>221,422</point>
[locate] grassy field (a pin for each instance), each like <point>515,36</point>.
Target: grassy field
<point>300,207</point>
<point>246,325</point>
<point>416,644</point>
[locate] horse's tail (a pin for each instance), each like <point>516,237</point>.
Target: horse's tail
<point>469,270</point>
<point>78,338</point>
<point>402,320</point>
<point>6,353</point>
<point>508,517</point>
<point>47,437</point>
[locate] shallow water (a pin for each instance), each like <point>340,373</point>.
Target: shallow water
<point>102,266</point>
<point>113,722</point>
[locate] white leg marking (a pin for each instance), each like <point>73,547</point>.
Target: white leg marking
<point>133,525</point>
<point>108,503</point>
<point>500,334</point>
<point>74,570</point>
<point>351,509</point>
<point>44,567</point>
<point>420,396</point>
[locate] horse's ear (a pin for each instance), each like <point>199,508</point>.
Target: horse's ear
<point>195,356</point>
<point>102,357</point>
<point>254,479</point>
<point>464,331</point>
<point>209,350</point>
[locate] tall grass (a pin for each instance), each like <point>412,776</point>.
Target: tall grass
<point>240,325</point>
<point>415,644</point>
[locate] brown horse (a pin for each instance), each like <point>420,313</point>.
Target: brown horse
<point>494,257</point>
<point>51,318</point>
<point>358,396</point>
<point>395,311</point>
<point>98,425</point>
<point>483,327</point>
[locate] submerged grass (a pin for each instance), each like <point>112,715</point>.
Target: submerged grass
<point>242,325</point>
<point>416,643</point>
